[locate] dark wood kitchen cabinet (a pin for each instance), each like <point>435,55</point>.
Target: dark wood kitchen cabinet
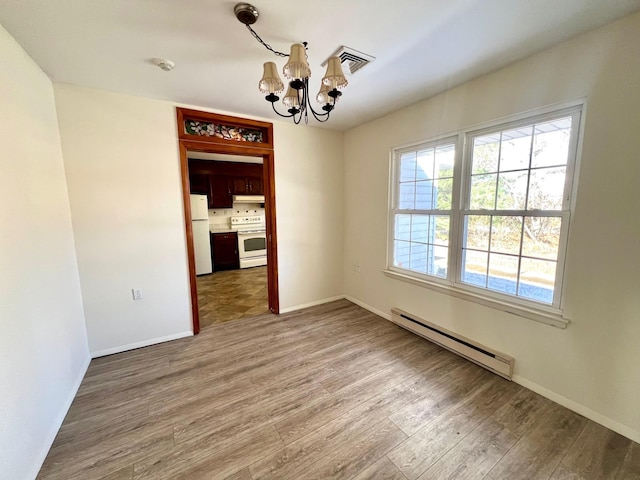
<point>255,185</point>
<point>247,186</point>
<point>221,191</point>
<point>253,180</point>
<point>199,183</point>
<point>240,186</point>
<point>220,181</point>
<point>224,251</point>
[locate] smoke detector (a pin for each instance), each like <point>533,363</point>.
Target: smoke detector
<point>164,64</point>
<point>351,59</point>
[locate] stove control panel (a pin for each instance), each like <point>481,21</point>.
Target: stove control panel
<point>248,220</point>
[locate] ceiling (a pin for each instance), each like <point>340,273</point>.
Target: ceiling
<point>422,47</point>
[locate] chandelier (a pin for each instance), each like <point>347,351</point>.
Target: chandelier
<point>297,73</point>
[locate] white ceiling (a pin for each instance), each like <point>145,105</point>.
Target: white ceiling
<point>422,47</point>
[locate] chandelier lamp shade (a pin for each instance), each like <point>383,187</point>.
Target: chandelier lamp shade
<point>297,72</point>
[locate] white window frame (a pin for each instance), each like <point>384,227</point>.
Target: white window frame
<point>455,139</point>
<point>547,313</point>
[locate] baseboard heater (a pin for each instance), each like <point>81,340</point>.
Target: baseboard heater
<point>497,362</point>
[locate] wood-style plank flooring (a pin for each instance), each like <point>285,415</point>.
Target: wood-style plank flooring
<point>330,392</point>
<point>232,294</point>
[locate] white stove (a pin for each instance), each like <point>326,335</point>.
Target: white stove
<point>252,240</point>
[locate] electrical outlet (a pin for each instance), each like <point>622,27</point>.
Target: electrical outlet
<point>137,294</point>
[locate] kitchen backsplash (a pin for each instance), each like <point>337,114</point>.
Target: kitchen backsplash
<point>222,216</point>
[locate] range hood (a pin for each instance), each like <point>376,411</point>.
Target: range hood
<point>248,199</point>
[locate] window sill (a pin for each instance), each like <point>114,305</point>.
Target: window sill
<point>549,318</point>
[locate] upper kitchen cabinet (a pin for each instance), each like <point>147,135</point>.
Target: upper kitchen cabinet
<point>199,183</point>
<point>240,186</point>
<point>221,180</point>
<point>247,186</point>
<point>221,191</point>
<point>255,185</point>
<point>253,180</point>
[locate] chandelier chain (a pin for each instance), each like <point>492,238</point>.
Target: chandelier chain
<point>266,45</point>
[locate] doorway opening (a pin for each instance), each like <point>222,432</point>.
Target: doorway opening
<point>229,236</point>
<point>227,165</point>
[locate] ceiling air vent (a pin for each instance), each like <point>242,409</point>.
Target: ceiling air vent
<point>351,60</point>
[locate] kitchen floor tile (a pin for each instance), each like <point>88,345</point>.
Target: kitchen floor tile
<point>232,294</point>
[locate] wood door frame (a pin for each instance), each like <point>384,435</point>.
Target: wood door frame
<point>212,144</point>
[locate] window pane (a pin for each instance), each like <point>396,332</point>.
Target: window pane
<point>541,237</point>
<point>407,196</point>
<point>512,190</point>
<point>503,273</point>
<point>424,170</point>
<point>477,231</point>
<point>418,258</point>
<point>441,224</point>
<point>546,188</point>
<point>438,264</point>
<point>537,278</point>
<point>483,192</point>
<point>515,149</point>
<point>408,167</point>
<point>474,268</point>
<point>485,154</point>
<point>421,243</point>
<point>505,234</point>
<point>402,229</point>
<point>424,195</point>
<point>445,156</point>
<point>420,228</point>
<point>551,143</point>
<point>401,252</point>
<point>442,193</point>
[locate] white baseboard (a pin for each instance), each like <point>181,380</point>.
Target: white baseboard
<point>144,343</point>
<point>579,408</point>
<point>311,304</point>
<point>545,392</point>
<point>57,423</point>
<point>380,313</point>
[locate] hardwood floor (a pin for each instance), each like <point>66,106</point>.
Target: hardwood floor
<point>330,392</point>
<point>232,294</point>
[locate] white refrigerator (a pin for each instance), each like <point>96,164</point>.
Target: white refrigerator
<point>200,227</point>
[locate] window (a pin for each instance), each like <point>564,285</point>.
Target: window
<point>490,218</point>
<point>422,222</point>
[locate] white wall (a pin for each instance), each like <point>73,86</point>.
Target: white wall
<point>310,213</point>
<point>122,161</point>
<point>592,366</point>
<point>123,171</point>
<point>43,344</point>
